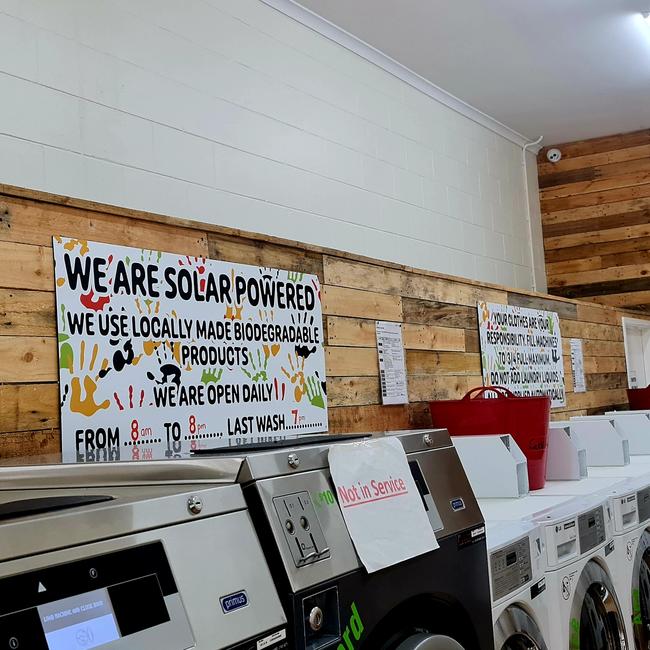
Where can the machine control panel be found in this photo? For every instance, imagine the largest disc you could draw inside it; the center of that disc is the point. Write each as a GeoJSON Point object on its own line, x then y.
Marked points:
{"type": "Point", "coordinates": [96, 602]}
{"type": "Point", "coordinates": [626, 513]}
{"type": "Point", "coordinates": [643, 501]}
{"type": "Point", "coordinates": [511, 568]}
{"type": "Point", "coordinates": [561, 541]}
{"type": "Point", "coordinates": [301, 527]}
{"type": "Point", "coordinates": [591, 529]}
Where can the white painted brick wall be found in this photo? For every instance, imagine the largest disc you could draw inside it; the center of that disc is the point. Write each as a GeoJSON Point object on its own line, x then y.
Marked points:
{"type": "Point", "coordinates": [230, 112]}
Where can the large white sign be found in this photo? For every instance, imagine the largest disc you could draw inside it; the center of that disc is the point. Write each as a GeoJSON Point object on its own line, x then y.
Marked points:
{"type": "Point", "coordinates": [380, 501]}
{"type": "Point", "coordinates": [521, 349]}
{"type": "Point", "coordinates": [162, 353]}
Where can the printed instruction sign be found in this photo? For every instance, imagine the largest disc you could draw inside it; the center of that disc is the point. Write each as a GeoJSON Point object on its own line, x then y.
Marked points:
{"type": "Point", "coordinates": [578, 366]}
{"type": "Point", "coordinates": [381, 504]}
{"type": "Point", "coordinates": [162, 353]}
{"type": "Point", "coordinates": [392, 367]}
{"type": "Point", "coordinates": [521, 349]}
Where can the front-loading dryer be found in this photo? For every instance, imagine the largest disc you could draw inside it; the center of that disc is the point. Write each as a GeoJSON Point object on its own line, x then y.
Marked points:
{"type": "Point", "coordinates": [583, 606]}
{"type": "Point", "coordinates": [517, 585]}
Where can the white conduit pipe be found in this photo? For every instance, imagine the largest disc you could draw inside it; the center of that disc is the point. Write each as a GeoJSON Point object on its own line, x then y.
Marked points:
{"type": "Point", "coordinates": [524, 149]}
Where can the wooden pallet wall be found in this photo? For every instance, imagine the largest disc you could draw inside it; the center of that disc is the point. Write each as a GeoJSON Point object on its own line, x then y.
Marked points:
{"type": "Point", "coordinates": [438, 312]}
{"type": "Point", "coordinates": [596, 219]}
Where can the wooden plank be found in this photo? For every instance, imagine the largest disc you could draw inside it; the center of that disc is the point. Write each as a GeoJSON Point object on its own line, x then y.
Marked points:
{"type": "Point", "coordinates": [597, 331]}
{"type": "Point", "coordinates": [472, 343]}
{"type": "Point", "coordinates": [426, 312]}
{"type": "Point", "coordinates": [574, 266]}
{"type": "Point", "coordinates": [344, 273]}
{"type": "Point", "coordinates": [559, 415]}
{"type": "Point", "coordinates": [598, 315]}
{"type": "Point", "coordinates": [631, 179]}
{"type": "Point", "coordinates": [601, 364]}
{"type": "Point", "coordinates": [595, 398]}
{"type": "Point", "coordinates": [422, 362]}
{"type": "Point", "coordinates": [614, 195]}
{"type": "Point", "coordinates": [353, 391]}
{"type": "Point", "coordinates": [565, 310]}
{"type": "Point", "coordinates": [338, 301]}
{"type": "Point", "coordinates": [26, 267]}
{"type": "Point", "coordinates": [631, 299]}
{"type": "Point", "coordinates": [351, 362]}
{"type": "Point", "coordinates": [584, 162]}
{"type": "Point", "coordinates": [606, 380]}
{"type": "Point", "coordinates": [625, 259]}
{"type": "Point", "coordinates": [634, 218]}
{"type": "Point", "coordinates": [259, 253]}
{"type": "Point", "coordinates": [361, 333]}
{"type": "Point", "coordinates": [593, 211]}
{"type": "Point", "coordinates": [27, 222]}
{"type": "Point", "coordinates": [26, 313]}
{"type": "Point", "coordinates": [611, 234]}
{"type": "Point", "coordinates": [583, 291]}
{"type": "Point", "coordinates": [374, 417]}
{"type": "Point", "coordinates": [39, 446]}
{"type": "Point", "coordinates": [28, 407]}
{"type": "Point", "coordinates": [601, 275]}
{"type": "Point", "coordinates": [602, 249]}
{"type": "Point", "coordinates": [26, 359]}
{"type": "Point", "coordinates": [425, 388]}
{"type": "Point", "coordinates": [614, 142]}
{"type": "Point", "coordinates": [603, 348]}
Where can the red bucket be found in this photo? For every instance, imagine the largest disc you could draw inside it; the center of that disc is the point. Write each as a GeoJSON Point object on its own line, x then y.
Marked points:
{"type": "Point", "coordinates": [526, 419]}
{"type": "Point", "coordinates": [639, 398]}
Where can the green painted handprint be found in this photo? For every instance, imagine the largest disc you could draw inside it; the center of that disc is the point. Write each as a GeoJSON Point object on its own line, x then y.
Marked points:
{"type": "Point", "coordinates": [315, 392]}
{"type": "Point", "coordinates": [258, 370]}
{"type": "Point", "coordinates": [211, 375]}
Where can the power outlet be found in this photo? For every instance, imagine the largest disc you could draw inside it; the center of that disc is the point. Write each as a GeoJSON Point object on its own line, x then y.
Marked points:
{"type": "Point", "coordinates": [301, 527]}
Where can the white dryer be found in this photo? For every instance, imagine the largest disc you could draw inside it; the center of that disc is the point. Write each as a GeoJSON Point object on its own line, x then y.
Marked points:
{"type": "Point", "coordinates": [583, 607]}
{"type": "Point", "coordinates": [517, 585]}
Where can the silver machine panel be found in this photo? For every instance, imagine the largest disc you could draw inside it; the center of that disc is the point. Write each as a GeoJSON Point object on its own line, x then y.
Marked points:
{"type": "Point", "coordinates": [279, 475]}
{"type": "Point", "coordinates": [153, 568]}
{"type": "Point", "coordinates": [511, 567]}
{"type": "Point", "coordinates": [591, 529]}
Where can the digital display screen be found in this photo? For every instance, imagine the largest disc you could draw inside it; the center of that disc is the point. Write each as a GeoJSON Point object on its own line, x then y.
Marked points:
{"type": "Point", "coordinates": [511, 558]}
{"type": "Point", "coordinates": [80, 622]}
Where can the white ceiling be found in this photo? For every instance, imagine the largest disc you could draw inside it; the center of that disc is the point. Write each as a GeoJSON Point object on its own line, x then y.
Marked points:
{"type": "Point", "coordinates": [564, 69]}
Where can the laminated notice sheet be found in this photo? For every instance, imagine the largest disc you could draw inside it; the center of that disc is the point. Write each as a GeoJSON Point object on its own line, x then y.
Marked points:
{"type": "Point", "coordinates": [380, 501]}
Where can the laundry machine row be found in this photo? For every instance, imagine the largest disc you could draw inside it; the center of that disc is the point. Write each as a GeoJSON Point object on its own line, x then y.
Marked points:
{"type": "Point", "coordinates": [287, 576]}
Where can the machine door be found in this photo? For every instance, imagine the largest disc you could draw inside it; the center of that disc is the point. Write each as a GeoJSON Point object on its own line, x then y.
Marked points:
{"type": "Point", "coordinates": [429, 642]}
{"type": "Point", "coordinates": [515, 629]}
{"type": "Point", "coordinates": [641, 592]}
{"type": "Point", "coordinates": [596, 621]}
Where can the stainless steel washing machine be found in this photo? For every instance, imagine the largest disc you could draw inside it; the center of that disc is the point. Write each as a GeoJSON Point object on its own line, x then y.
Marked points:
{"type": "Point", "coordinates": [152, 567]}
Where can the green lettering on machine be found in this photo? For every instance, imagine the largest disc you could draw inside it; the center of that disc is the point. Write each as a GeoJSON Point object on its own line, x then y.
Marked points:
{"type": "Point", "coordinates": [354, 628]}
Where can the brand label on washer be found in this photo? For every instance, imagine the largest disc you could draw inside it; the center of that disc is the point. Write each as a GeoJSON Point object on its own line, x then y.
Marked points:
{"type": "Point", "coordinates": [538, 588]}
{"type": "Point", "coordinates": [268, 641]}
{"type": "Point", "coordinates": [233, 601]}
{"type": "Point", "coordinates": [457, 504]}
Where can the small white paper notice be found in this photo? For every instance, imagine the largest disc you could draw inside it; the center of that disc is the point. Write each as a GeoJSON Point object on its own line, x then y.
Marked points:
{"type": "Point", "coordinates": [578, 366]}
{"type": "Point", "coordinates": [380, 502]}
{"type": "Point", "coordinates": [392, 368]}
